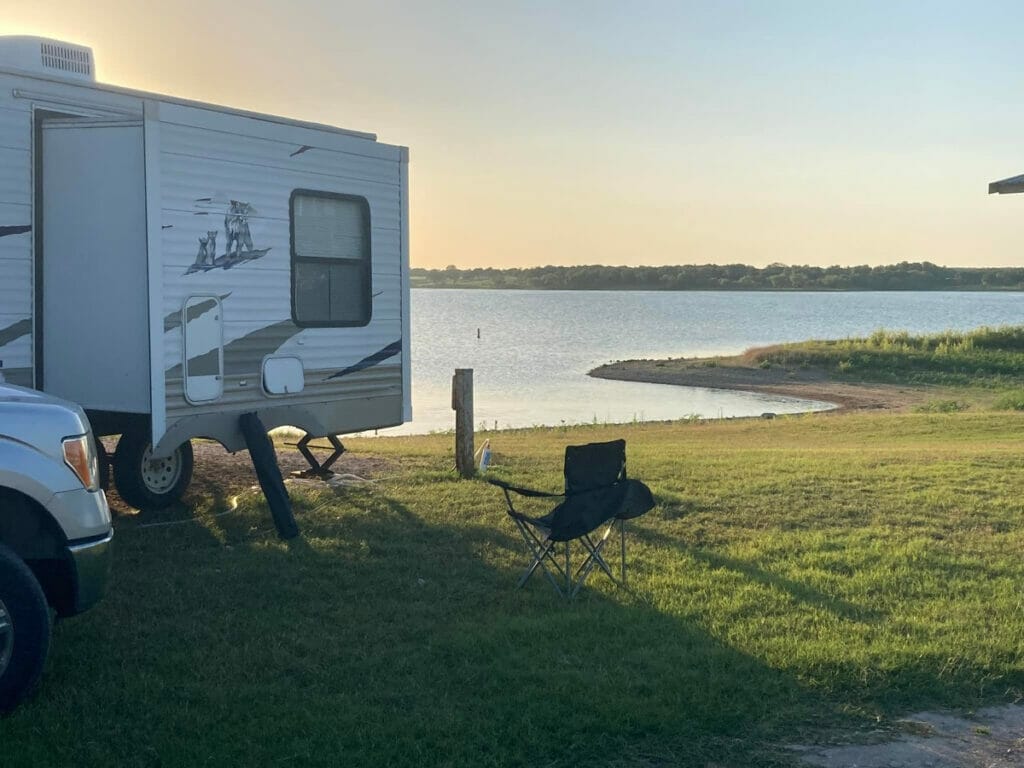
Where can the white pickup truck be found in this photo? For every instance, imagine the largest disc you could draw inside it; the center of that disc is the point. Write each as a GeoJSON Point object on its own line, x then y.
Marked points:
{"type": "Point", "coordinates": [55, 529]}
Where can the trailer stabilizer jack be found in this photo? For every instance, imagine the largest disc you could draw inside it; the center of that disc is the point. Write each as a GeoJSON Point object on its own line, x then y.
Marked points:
{"type": "Point", "coordinates": [264, 461]}
{"type": "Point", "coordinates": [316, 468]}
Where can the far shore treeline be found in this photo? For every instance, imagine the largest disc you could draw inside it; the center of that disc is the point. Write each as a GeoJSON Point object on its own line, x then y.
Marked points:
{"type": "Point", "coordinates": [904, 276]}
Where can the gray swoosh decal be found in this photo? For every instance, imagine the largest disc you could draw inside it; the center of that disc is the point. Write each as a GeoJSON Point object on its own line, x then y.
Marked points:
{"type": "Point", "coordinates": [17, 230]}
{"type": "Point", "coordinates": [173, 320]}
{"type": "Point", "coordinates": [15, 331]}
{"type": "Point", "coordinates": [390, 350]}
{"type": "Point", "coordinates": [207, 364]}
{"type": "Point", "coordinates": [244, 354]}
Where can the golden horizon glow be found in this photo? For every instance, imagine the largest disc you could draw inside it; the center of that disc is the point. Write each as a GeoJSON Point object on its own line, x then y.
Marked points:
{"type": "Point", "coordinates": [681, 134]}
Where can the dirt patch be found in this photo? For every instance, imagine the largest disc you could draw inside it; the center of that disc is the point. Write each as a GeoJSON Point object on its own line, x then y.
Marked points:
{"type": "Point", "coordinates": [219, 474]}
{"type": "Point", "coordinates": [730, 373]}
{"type": "Point", "coordinates": [990, 738]}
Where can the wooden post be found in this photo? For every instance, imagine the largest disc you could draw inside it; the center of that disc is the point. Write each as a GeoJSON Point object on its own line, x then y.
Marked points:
{"type": "Point", "coordinates": [462, 404]}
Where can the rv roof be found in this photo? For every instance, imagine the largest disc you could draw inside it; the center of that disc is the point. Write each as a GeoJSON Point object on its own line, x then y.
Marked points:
{"type": "Point", "coordinates": [6, 67]}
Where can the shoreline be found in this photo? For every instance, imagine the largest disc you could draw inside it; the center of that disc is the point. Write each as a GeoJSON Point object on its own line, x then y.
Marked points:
{"type": "Point", "coordinates": [733, 373]}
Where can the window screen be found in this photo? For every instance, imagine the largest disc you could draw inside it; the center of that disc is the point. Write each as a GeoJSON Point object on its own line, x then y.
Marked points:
{"type": "Point", "coordinates": [330, 259]}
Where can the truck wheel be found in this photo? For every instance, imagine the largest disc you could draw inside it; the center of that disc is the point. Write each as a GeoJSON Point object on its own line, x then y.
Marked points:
{"type": "Point", "coordinates": [24, 630]}
{"type": "Point", "coordinates": [148, 483]}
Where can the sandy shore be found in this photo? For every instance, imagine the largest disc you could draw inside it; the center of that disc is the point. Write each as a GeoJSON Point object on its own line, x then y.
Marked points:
{"type": "Point", "coordinates": [734, 373]}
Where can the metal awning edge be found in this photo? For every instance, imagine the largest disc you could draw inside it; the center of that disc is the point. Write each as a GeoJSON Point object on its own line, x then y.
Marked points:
{"type": "Point", "coordinates": [1008, 186]}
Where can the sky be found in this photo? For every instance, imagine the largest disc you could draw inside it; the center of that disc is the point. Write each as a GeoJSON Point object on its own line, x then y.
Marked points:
{"type": "Point", "coordinates": [625, 133]}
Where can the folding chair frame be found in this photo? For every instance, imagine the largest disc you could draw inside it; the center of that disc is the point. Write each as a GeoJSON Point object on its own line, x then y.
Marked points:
{"type": "Point", "coordinates": [566, 582]}
{"type": "Point", "coordinates": [595, 551]}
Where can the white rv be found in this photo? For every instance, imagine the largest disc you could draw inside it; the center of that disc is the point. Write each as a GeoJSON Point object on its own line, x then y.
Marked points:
{"type": "Point", "coordinates": [171, 265]}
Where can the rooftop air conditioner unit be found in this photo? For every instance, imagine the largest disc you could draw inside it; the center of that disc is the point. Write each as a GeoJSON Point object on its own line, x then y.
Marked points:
{"type": "Point", "coordinates": [47, 57]}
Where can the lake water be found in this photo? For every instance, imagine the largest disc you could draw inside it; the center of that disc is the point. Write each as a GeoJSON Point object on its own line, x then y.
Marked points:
{"type": "Point", "coordinates": [531, 359]}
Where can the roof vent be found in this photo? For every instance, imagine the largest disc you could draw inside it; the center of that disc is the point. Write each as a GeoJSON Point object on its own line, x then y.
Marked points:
{"type": "Point", "coordinates": [47, 57]}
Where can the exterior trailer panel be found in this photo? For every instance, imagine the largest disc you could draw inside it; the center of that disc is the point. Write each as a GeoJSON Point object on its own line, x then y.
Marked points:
{"type": "Point", "coordinates": [16, 283]}
{"type": "Point", "coordinates": [25, 97]}
{"type": "Point", "coordinates": [216, 175]}
{"type": "Point", "coordinates": [219, 188]}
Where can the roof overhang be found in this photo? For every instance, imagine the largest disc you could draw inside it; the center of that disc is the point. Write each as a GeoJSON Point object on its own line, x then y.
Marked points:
{"type": "Point", "coordinates": [1007, 186]}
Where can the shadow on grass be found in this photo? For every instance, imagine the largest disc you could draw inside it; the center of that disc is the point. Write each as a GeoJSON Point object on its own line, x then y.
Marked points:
{"type": "Point", "coordinates": [751, 571]}
{"type": "Point", "coordinates": [386, 637]}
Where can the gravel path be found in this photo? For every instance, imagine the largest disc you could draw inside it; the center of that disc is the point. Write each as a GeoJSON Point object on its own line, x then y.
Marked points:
{"type": "Point", "coordinates": [989, 738]}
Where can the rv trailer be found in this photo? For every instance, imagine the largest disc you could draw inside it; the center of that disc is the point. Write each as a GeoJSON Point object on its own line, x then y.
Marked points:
{"type": "Point", "coordinates": [172, 265]}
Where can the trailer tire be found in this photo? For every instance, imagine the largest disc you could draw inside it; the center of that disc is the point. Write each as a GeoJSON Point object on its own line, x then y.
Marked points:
{"type": "Point", "coordinates": [147, 483]}
{"type": "Point", "coordinates": [25, 627]}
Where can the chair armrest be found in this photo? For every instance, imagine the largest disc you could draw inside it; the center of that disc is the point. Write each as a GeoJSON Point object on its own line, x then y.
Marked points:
{"type": "Point", "coordinates": [522, 491]}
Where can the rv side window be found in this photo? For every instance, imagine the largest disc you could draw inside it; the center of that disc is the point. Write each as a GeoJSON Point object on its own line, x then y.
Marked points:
{"type": "Point", "coordinates": [330, 259]}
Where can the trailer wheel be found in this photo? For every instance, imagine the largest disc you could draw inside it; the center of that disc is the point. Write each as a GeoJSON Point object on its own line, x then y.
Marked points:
{"type": "Point", "coordinates": [148, 483]}
{"type": "Point", "coordinates": [24, 630]}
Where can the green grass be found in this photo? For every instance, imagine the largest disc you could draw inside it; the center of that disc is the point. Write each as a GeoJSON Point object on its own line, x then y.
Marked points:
{"type": "Point", "coordinates": [986, 357]}
{"type": "Point", "coordinates": [946, 406]}
{"type": "Point", "coordinates": [1011, 400]}
{"type": "Point", "coordinates": [801, 578]}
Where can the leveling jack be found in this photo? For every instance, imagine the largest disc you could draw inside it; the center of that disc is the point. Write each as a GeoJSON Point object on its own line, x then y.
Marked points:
{"type": "Point", "coordinates": [316, 468]}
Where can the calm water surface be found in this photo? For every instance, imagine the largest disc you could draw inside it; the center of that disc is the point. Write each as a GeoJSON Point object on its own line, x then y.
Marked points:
{"type": "Point", "coordinates": [535, 347]}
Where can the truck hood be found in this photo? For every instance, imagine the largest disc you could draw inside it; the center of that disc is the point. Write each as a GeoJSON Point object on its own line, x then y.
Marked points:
{"type": "Point", "coordinates": [14, 393]}
{"type": "Point", "coordinates": [38, 419]}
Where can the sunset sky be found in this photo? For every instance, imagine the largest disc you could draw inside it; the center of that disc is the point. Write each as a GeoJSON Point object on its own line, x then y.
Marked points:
{"type": "Point", "coordinates": [625, 133]}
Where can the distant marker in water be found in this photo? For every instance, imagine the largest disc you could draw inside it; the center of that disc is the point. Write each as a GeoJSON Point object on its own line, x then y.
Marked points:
{"type": "Point", "coordinates": [478, 333]}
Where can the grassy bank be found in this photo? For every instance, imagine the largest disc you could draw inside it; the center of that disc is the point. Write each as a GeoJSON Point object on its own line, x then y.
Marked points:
{"type": "Point", "coordinates": [801, 577]}
{"type": "Point", "coordinates": [986, 357]}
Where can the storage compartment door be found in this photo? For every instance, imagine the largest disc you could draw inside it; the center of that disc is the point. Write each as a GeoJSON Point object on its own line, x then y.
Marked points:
{"type": "Point", "coordinates": [283, 375]}
{"type": "Point", "coordinates": [94, 324]}
{"type": "Point", "coordinates": [202, 321]}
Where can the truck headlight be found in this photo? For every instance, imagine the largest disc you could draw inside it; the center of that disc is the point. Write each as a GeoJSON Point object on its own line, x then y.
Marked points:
{"type": "Point", "coordinates": [80, 456]}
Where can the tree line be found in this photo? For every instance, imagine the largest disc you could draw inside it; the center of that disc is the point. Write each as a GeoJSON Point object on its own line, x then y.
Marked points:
{"type": "Point", "coordinates": [905, 276]}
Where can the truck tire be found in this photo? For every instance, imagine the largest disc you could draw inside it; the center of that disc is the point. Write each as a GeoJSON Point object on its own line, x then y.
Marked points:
{"type": "Point", "coordinates": [24, 630]}
{"type": "Point", "coordinates": [148, 483]}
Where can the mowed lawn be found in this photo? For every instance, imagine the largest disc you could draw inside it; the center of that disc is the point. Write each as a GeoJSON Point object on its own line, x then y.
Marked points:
{"type": "Point", "coordinates": [802, 579]}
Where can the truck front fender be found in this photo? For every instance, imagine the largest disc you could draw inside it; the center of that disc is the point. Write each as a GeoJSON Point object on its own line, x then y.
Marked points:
{"type": "Point", "coordinates": [31, 472]}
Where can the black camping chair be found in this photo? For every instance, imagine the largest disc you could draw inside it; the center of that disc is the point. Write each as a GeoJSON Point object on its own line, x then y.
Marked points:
{"type": "Point", "coordinates": [597, 492]}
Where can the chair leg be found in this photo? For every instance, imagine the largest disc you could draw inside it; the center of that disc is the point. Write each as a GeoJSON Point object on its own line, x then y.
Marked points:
{"type": "Point", "coordinates": [544, 554]}
{"type": "Point", "coordinates": [594, 558]}
{"type": "Point", "coordinates": [568, 569]}
{"type": "Point", "coordinates": [539, 553]}
{"type": "Point", "coordinates": [595, 551]}
{"type": "Point", "coordinates": [600, 558]}
{"type": "Point", "coordinates": [541, 550]}
{"type": "Point", "coordinates": [622, 533]}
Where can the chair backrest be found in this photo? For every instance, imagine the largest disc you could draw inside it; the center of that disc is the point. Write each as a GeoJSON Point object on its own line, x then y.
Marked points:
{"type": "Point", "coordinates": [594, 465]}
